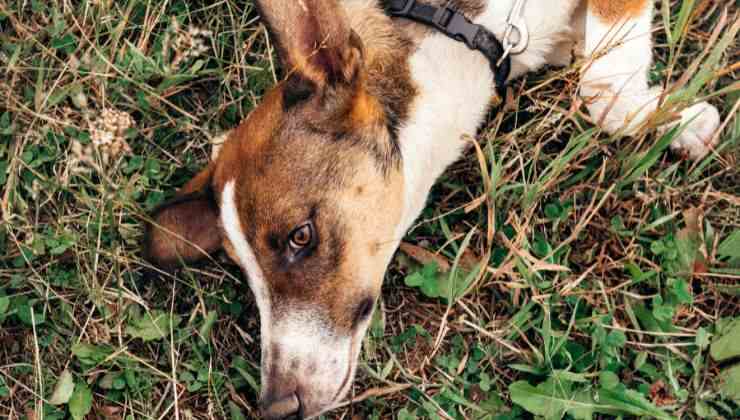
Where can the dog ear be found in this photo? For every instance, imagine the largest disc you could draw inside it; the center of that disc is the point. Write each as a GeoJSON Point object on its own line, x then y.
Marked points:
{"type": "Point", "coordinates": [313, 39]}
{"type": "Point", "coordinates": [185, 229]}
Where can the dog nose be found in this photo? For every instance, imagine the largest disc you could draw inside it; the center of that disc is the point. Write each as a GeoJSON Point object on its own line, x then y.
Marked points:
{"type": "Point", "coordinates": [287, 408]}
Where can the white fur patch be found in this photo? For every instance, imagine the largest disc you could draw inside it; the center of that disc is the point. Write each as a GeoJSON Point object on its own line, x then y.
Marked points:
{"type": "Point", "coordinates": [322, 363]}
{"type": "Point", "coordinates": [248, 261]}
{"type": "Point", "coordinates": [698, 136]}
{"type": "Point", "coordinates": [305, 338]}
{"type": "Point", "coordinates": [615, 83]}
{"type": "Point", "coordinates": [309, 350]}
{"type": "Point", "coordinates": [455, 88]}
{"type": "Point", "coordinates": [617, 89]}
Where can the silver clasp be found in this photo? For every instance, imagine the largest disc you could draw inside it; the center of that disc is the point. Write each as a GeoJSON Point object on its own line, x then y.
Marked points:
{"type": "Point", "coordinates": [516, 35]}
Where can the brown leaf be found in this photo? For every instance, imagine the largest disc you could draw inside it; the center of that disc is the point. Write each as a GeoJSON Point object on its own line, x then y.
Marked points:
{"type": "Point", "coordinates": [468, 260]}
{"type": "Point", "coordinates": [424, 257]}
{"type": "Point", "coordinates": [659, 394]}
{"type": "Point", "coordinates": [700, 265]}
{"type": "Point", "coordinates": [109, 412]}
{"type": "Point", "coordinates": [691, 235]}
{"type": "Point", "coordinates": [477, 394]}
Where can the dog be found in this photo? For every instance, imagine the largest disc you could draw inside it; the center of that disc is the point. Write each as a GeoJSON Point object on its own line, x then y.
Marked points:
{"type": "Point", "coordinates": [313, 191]}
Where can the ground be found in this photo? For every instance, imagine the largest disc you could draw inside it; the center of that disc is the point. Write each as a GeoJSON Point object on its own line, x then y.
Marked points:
{"type": "Point", "coordinates": [556, 272]}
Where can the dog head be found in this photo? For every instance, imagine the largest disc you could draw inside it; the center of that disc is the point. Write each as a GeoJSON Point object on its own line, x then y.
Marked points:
{"type": "Point", "coordinates": [306, 197]}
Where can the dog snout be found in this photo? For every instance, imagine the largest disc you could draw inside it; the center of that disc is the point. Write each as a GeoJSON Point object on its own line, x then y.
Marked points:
{"type": "Point", "coordinates": [282, 408]}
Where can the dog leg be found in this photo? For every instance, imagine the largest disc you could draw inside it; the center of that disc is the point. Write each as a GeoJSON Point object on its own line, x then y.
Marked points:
{"type": "Point", "coordinates": [615, 82]}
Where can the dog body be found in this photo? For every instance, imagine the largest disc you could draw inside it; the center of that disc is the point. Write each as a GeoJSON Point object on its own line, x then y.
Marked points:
{"type": "Point", "coordinates": [614, 85]}
{"type": "Point", "coordinates": [455, 87]}
{"type": "Point", "coordinates": [313, 192]}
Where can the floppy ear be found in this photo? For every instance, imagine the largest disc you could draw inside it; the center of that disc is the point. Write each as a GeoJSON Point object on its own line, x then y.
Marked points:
{"type": "Point", "coordinates": [185, 229]}
{"type": "Point", "coordinates": [313, 39]}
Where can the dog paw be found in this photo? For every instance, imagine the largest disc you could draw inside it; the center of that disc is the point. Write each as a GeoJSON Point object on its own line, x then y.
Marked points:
{"type": "Point", "coordinates": [698, 136]}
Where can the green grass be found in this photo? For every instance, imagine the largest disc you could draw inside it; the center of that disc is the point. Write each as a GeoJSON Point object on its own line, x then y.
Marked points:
{"type": "Point", "coordinates": [556, 272]}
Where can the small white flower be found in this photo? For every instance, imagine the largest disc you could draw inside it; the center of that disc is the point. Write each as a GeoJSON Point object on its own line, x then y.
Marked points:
{"type": "Point", "coordinates": [189, 44]}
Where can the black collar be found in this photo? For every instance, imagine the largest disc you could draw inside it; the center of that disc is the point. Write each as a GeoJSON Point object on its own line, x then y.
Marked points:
{"type": "Point", "coordinates": [448, 20]}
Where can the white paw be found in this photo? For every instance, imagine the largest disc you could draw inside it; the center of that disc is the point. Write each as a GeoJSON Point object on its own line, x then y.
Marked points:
{"type": "Point", "coordinates": [698, 137]}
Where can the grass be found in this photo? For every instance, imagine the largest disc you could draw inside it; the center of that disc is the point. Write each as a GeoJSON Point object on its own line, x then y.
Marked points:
{"type": "Point", "coordinates": [557, 272]}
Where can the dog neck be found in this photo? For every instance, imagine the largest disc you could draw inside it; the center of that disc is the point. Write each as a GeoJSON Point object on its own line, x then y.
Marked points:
{"type": "Point", "coordinates": [435, 89]}
{"type": "Point", "coordinates": [455, 86]}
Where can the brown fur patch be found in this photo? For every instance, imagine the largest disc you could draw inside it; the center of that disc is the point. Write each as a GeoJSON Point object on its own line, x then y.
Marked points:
{"type": "Point", "coordinates": [187, 227]}
{"type": "Point", "coordinates": [250, 136]}
{"type": "Point", "coordinates": [370, 221]}
{"type": "Point", "coordinates": [199, 183]}
{"type": "Point", "coordinates": [366, 110]}
{"type": "Point", "coordinates": [186, 231]}
{"type": "Point", "coordinates": [262, 122]}
{"type": "Point", "coordinates": [313, 38]}
{"type": "Point", "coordinates": [612, 11]}
{"type": "Point", "coordinates": [386, 72]}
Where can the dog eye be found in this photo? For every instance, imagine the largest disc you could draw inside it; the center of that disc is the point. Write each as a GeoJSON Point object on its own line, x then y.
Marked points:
{"type": "Point", "coordinates": [301, 237]}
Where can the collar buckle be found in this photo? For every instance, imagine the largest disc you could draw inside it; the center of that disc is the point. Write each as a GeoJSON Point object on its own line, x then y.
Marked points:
{"type": "Point", "coordinates": [448, 20]}
{"type": "Point", "coordinates": [454, 24]}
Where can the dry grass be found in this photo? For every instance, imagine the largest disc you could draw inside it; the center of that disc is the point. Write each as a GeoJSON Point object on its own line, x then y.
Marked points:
{"type": "Point", "coordinates": [590, 255]}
